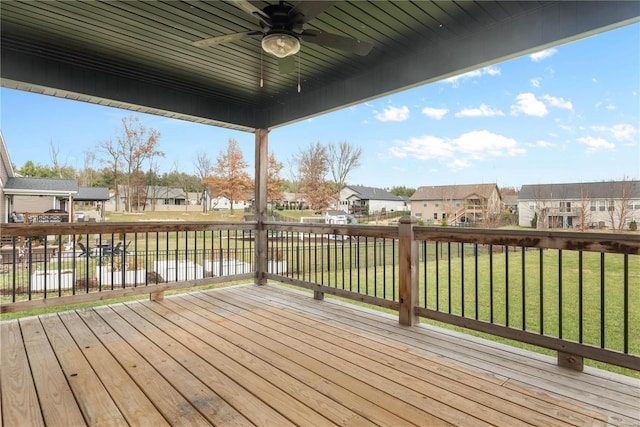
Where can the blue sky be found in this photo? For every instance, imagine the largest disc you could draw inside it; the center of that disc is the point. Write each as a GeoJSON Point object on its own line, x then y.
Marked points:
{"type": "Point", "coordinates": [567, 114]}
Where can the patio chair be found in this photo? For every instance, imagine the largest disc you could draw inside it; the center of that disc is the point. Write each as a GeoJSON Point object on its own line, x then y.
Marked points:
{"type": "Point", "coordinates": [85, 250]}
{"type": "Point", "coordinates": [113, 250]}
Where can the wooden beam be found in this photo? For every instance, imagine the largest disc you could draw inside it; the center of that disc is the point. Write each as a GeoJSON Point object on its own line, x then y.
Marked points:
{"type": "Point", "coordinates": [261, 162]}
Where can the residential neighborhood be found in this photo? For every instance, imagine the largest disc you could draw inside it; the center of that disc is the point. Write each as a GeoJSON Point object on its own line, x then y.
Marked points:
{"type": "Point", "coordinates": [607, 205]}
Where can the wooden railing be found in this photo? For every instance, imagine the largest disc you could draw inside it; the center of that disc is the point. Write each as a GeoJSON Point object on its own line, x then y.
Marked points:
{"type": "Point", "coordinates": [575, 293]}
{"type": "Point", "coordinates": [570, 292]}
{"type": "Point", "coordinates": [48, 265]}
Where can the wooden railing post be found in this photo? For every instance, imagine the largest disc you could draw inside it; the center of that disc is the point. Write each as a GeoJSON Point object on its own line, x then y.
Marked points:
{"type": "Point", "coordinates": [408, 274]}
{"type": "Point", "coordinates": [261, 162]}
{"type": "Point", "coordinates": [570, 361]}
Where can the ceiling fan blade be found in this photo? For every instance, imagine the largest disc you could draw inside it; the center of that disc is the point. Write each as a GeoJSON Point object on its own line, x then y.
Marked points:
{"type": "Point", "coordinates": [252, 10]}
{"type": "Point", "coordinates": [305, 11]}
{"type": "Point", "coordinates": [335, 41]}
{"type": "Point", "coordinates": [225, 39]}
{"type": "Point", "coordinates": [287, 65]}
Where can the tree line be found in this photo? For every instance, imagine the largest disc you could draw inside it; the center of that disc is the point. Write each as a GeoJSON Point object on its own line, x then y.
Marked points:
{"type": "Point", "coordinates": [129, 163]}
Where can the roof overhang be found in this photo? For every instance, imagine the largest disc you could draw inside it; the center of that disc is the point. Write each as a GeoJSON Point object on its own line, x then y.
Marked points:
{"type": "Point", "coordinates": [139, 55]}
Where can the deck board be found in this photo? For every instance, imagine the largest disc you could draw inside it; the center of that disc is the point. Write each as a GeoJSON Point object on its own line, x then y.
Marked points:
{"type": "Point", "coordinates": [269, 355]}
{"type": "Point", "coordinates": [616, 395]}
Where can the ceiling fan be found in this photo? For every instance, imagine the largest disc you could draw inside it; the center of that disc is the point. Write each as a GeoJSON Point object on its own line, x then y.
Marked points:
{"type": "Point", "coordinates": [281, 31]}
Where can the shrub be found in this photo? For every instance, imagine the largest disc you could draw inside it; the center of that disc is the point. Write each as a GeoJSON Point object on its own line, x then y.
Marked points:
{"type": "Point", "coordinates": [633, 226]}
{"type": "Point", "coordinates": [534, 221]}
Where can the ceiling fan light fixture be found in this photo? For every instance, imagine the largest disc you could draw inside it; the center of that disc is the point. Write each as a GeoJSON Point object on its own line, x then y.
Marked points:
{"type": "Point", "coordinates": [281, 44]}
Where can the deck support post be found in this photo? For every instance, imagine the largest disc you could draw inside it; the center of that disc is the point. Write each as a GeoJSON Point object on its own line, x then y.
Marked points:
{"type": "Point", "coordinates": [570, 361]}
{"type": "Point", "coordinates": [261, 162]}
{"type": "Point", "coordinates": [408, 271]}
{"type": "Point", "coordinates": [156, 296]}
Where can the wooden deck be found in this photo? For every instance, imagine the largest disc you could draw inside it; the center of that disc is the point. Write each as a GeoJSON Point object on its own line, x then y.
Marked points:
{"type": "Point", "coordinates": [250, 355]}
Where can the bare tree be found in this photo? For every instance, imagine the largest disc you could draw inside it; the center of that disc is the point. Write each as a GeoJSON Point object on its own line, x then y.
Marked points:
{"type": "Point", "coordinates": [137, 145]}
{"type": "Point", "coordinates": [313, 165]}
{"type": "Point", "coordinates": [583, 208]}
{"type": "Point", "coordinates": [85, 177]}
{"type": "Point", "coordinates": [203, 167]}
{"type": "Point", "coordinates": [343, 158]}
{"type": "Point", "coordinates": [113, 162]}
{"type": "Point", "coordinates": [618, 204]}
{"type": "Point", "coordinates": [230, 179]}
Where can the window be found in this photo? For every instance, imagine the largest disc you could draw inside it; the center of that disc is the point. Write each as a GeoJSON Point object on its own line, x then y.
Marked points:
{"type": "Point", "coordinates": [457, 204]}
{"type": "Point", "coordinates": [601, 205]}
{"type": "Point", "coordinates": [592, 206]}
{"type": "Point", "coordinates": [424, 205]}
{"type": "Point", "coordinates": [444, 215]}
{"type": "Point", "coordinates": [435, 215]}
{"type": "Point", "coordinates": [437, 204]}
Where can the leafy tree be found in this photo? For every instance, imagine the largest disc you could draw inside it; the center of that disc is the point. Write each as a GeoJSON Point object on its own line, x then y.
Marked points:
{"type": "Point", "coordinates": [230, 179]}
{"type": "Point", "coordinates": [402, 191]}
{"type": "Point", "coordinates": [274, 181]}
{"type": "Point", "coordinates": [33, 170]}
{"type": "Point", "coordinates": [313, 166]}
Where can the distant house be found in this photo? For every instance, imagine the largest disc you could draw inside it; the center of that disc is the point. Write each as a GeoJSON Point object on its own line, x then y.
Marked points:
{"type": "Point", "coordinates": [357, 199]}
{"type": "Point", "coordinates": [470, 203]}
{"type": "Point", "coordinates": [154, 196]}
{"type": "Point", "coordinates": [612, 204]}
{"type": "Point", "coordinates": [293, 201]}
{"type": "Point", "coordinates": [39, 194]}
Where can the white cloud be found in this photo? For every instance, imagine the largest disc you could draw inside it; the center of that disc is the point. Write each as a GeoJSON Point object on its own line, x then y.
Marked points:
{"type": "Point", "coordinates": [528, 104]}
{"type": "Point", "coordinates": [423, 148]}
{"type": "Point", "coordinates": [458, 152]}
{"type": "Point", "coordinates": [611, 107]}
{"type": "Point", "coordinates": [458, 165]}
{"type": "Point", "coordinates": [394, 114]}
{"type": "Point", "coordinates": [542, 144]}
{"type": "Point", "coordinates": [594, 80]}
{"type": "Point", "coordinates": [482, 111]}
{"type": "Point", "coordinates": [595, 144]}
{"type": "Point", "coordinates": [455, 80]}
{"type": "Point", "coordinates": [480, 143]}
{"type": "Point", "coordinates": [535, 82]}
{"type": "Point", "coordinates": [543, 54]}
{"type": "Point", "coordinates": [622, 132]}
{"type": "Point", "coordinates": [558, 102]}
{"type": "Point", "coordinates": [435, 113]}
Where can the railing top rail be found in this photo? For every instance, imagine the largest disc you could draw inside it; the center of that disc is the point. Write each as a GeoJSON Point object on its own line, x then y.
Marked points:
{"type": "Point", "coordinates": [15, 230]}
{"type": "Point", "coordinates": [624, 243]}
{"type": "Point", "coordinates": [379, 231]}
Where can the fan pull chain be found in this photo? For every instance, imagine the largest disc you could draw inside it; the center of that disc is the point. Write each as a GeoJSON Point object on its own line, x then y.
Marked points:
{"type": "Point", "coordinates": [298, 72]}
{"type": "Point", "coordinates": [261, 59]}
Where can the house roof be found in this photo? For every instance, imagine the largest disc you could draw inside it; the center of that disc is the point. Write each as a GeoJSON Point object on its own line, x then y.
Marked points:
{"type": "Point", "coordinates": [4, 158]}
{"type": "Point", "coordinates": [92, 194]}
{"type": "Point", "coordinates": [581, 191]}
{"type": "Point", "coordinates": [453, 192]}
{"type": "Point", "coordinates": [139, 55]}
{"type": "Point", "coordinates": [372, 193]}
{"type": "Point", "coordinates": [41, 186]}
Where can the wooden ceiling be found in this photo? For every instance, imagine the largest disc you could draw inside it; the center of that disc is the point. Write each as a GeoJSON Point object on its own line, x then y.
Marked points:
{"type": "Point", "coordinates": [139, 54]}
